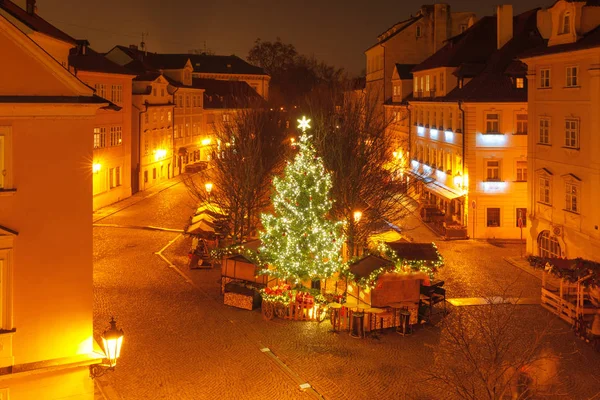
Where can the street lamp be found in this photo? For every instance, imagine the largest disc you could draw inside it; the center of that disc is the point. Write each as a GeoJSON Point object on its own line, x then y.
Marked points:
{"type": "Point", "coordinates": [208, 186]}
{"type": "Point", "coordinates": [112, 339]}
{"type": "Point", "coordinates": [357, 216]}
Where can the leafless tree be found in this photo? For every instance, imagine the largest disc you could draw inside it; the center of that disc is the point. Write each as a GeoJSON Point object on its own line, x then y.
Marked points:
{"type": "Point", "coordinates": [247, 151]}
{"type": "Point", "coordinates": [356, 142]}
{"type": "Point", "coordinates": [487, 352]}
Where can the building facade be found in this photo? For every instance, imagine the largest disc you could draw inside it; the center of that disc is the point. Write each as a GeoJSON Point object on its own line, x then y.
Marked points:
{"type": "Point", "coordinates": [152, 131]}
{"type": "Point", "coordinates": [47, 118]}
{"type": "Point", "coordinates": [112, 130]}
{"type": "Point", "coordinates": [564, 99]}
{"type": "Point", "coordinates": [410, 42]}
{"type": "Point", "coordinates": [468, 144]}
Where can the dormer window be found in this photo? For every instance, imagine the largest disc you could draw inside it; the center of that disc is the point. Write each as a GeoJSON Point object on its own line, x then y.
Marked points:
{"type": "Point", "coordinates": [419, 32]}
{"type": "Point", "coordinates": [565, 25]}
{"type": "Point", "coordinates": [520, 83]}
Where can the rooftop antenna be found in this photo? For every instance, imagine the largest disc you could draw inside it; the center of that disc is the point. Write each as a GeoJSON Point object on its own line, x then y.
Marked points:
{"type": "Point", "coordinates": [143, 43]}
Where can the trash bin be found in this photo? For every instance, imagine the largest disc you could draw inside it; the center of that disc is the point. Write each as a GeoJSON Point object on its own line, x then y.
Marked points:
{"type": "Point", "coordinates": [358, 328]}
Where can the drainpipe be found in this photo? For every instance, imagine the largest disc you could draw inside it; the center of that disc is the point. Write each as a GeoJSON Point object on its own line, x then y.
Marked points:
{"type": "Point", "coordinates": [139, 141]}
{"type": "Point", "coordinates": [464, 159]}
{"type": "Point", "coordinates": [175, 154]}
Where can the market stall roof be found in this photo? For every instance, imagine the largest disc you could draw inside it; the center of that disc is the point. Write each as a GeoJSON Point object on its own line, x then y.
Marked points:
{"type": "Point", "coordinates": [211, 209]}
{"type": "Point", "coordinates": [203, 217]}
{"type": "Point", "coordinates": [253, 244]}
{"type": "Point", "coordinates": [414, 251]}
{"type": "Point", "coordinates": [201, 227]}
{"type": "Point", "coordinates": [364, 267]}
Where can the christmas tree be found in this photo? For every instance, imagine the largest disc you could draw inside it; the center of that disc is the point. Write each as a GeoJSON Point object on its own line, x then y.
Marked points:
{"type": "Point", "coordinates": [299, 242]}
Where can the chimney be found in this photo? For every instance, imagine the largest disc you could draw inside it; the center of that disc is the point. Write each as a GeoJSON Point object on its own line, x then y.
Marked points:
{"type": "Point", "coordinates": [504, 32]}
{"type": "Point", "coordinates": [30, 7]}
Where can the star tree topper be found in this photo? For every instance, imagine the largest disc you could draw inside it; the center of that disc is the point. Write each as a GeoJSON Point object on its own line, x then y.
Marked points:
{"type": "Point", "coordinates": [304, 123]}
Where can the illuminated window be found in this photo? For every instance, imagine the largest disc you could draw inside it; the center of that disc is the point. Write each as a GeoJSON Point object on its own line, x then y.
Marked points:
{"type": "Point", "coordinates": [116, 135]}
{"type": "Point", "coordinates": [493, 217]}
{"type": "Point", "coordinates": [544, 137]}
{"type": "Point", "coordinates": [572, 133]}
{"type": "Point", "coordinates": [548, 246]}
{"type": "Point", "coordinates": [544, 189]}
{"type": "Point", "coordinates": [169, 116]}
{"type": "Point", "coordinates": [492, 123]}
{"type": "Point", "coordinates": [565, 26]}
{"type": "Point", "coordinates": [146, 117]}
{"type": "Point", "coordinates": [99, 138]}
{"type": "Point", "coordinates": [492, 168]}
{"type": "Point", "coordinates": [572, 76]}
{"type": "Point", "coordinates": [225, 118]}
{"type": "Point", "coordinates": [153, 116]}
{"type": "Point", "coordinates": [4, 154]}
{"type": "Point", "coordinates": [522, 217]}
{"type": "Point", "coordinates": [545, 78]}
{"type": "Point", "coordinates": [521, 124]}
{"type": "Point", "coordinates": [427, 83]}
{"type": "Point", "coordinates": [520, 83]}
{"type": "Point", "coordinates": [572, 197]}
{"type": "Point", "coordinates": [521, 171]}
{"type": "Point", "coordinates": [416, 86]}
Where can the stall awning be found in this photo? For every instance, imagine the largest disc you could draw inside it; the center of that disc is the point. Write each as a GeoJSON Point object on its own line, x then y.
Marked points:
{"type": "Point", "coordinates": [364, 267]}
{"type": "Point", "coordinates": [414, 251]}
{"type": "Point", "coordinates": [443, 190]}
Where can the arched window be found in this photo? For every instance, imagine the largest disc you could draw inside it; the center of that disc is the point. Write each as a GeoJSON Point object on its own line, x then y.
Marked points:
{"type": "Point", "coordinates": [565, 26]}
{"type": "Point", "coordinates": [548, 246]}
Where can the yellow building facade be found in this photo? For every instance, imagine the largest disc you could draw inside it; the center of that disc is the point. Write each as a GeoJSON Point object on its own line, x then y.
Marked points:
{"type": "Point", "coordinates": [468, 145]}
{"type": "Point", "coordinates": [47, 118]}
{"type": "Point", "coordinates": [564, 99]}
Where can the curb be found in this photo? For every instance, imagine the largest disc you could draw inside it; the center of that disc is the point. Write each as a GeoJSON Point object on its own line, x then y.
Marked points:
{"type": "Point", "coordinates": [521, 267]}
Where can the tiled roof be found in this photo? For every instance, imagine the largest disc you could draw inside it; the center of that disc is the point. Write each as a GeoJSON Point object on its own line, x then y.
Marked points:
{"type": "Point", "coordinates": [147, 77]}
{"type": "Point", "coordinates": [35, 22]}
{"type": "Point", "coordinates": [89, 60]}
{"type": "Point", "coordinates": [226, 94]}
{"type": "Point", "coordinates": [402, 25]}
{"type": "Point", "coordinates": [588, 41]}
{"type": "Point", "coordinates": [493, 70]}
{"type": "Point", "coordinates": [202, 63]}
{"type": "Point", "coordinates": [404, 70]}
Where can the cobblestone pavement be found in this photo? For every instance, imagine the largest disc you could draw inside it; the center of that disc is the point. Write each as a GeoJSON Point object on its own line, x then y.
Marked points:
{"type": "Point", "coordinates": [183, 343]}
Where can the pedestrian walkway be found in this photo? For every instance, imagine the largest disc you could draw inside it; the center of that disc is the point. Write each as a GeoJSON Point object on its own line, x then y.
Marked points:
{"type": "Point", "coordinates": [136, 198]}
{"type": "Point", "coordinates": [481, 301]}
{"type": "Point", "coordinates": [522, 264]}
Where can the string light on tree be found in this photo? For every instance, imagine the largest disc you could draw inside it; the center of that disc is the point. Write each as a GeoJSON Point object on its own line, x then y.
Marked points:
{"type": "Point", "coordinates": [299, 242]}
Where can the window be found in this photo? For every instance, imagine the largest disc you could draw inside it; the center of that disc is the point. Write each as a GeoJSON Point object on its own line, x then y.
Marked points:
{"type": "Point", "coordinates": [116, 94]}
{"type": "Point", "coordinates": [521, 217]}
{"type": "Point", "coordinates": [2, 162]}
{"type": "Point", "coordinates": [544, 187]}
{"type": "Point", "coordinates": [118, 176]}
{"type": "Point", "coordinates": [187, 101]}
{"type": "Point", "coordinates": [493, 217]}
{"type": "Point", "coordinates": [450, 122]}
{"type": "Point", "coordinates": [145, 176]}
{"type": "Point", "coordinates": [572, 133]}
{"type": "Point", "coordinates": [442, 81]}
{"type": "Point", "coordinates": [544, 131]}
{"type": "Point", "coordinates": [5, 181]}
{"type": "Point", "coordinates": [492, 168]}
{"type": "Point", "coordinates": [572, 80]}
{"type": "Point", "coordinates": [6, 271]}
{"type": "Point", "coordinates": [565, 26]}
{"type": "Point", "coordinates": [162, 92]}
{"type": "Point", "coordinates": [176, 131]}
{"type": "Point", "coordinates": [419, 31]}
{"type": "Point", "coordinates": [169, 116]}
{"type": "Point", "coordinates": [492, 123]}
{"type": "Point", "coordinates": [521, 124]}
{"type": "Point", "coordinates": [521, 171]}
{"type": "Point", "coordinates": [111, 177]}
{"type": "Point", "coordinates": [520, 83]}
{"type": "Point", "coordinates": [545, 78]}
{"type": "Point", "coordinates": [116, 135]}
{"type": "Point", "coordinates": [153, 116]}
{"type": "Point", "coordinates": [225, 118]}
{"type": "Point", "coordinates": [99, 138]}
{"type": "Point", "coordinates": [195, 101]}
{"type": "Point", "coordinates": [427, 83]}
{"type": "Point", "coordinates": [100, 89]}
{"type": "Point", "coordinates": [146, 117]}
{"type": "Point", "coordinates": [153, 91]}
{"type": "Point", "coordinates": [153, 173]}
{"type": "Point", "coordinates": [571, 197]}
{"type": "Point", "coordinates": [434, 83]}
{"type": "Point", "coordinates": [548, 246]}
{"type": "Point", "coordinates": [146, 146]}
{"type": "Point", "coordinates": [416, 86]}
{"type": "Point", "coordinates": [162, 116]}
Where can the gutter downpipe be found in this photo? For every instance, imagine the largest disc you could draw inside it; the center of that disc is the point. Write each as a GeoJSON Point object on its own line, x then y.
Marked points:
{"type": "Point", "coordinates": [464, 159]}
{"type": "Point", "coordinates": [139, 141]}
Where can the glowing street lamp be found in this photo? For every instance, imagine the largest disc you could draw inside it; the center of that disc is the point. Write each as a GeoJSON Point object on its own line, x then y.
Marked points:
{"type": "Point", "coordinates": [357, 216]}
{"type": "Point", "coordinates": [96, 167]}
{"type": "Point", "coordinates": [112, 339]}
{"type": "Point", "coordinates": [208, 186]}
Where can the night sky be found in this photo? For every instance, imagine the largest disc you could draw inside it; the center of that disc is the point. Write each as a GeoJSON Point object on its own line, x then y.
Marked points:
{"type": "Point", "coordinates": [336, 31]}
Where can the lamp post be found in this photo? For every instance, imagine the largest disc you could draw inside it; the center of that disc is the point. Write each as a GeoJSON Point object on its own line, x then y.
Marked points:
{"type": "Point", "coordinates": [209, 187]}
{"type": "Point", "coordinates": [357, 217]}
{"type": "Point", "coordinates": [112, 339]}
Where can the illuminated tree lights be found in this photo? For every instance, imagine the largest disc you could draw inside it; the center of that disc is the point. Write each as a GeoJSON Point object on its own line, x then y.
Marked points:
{"type": "Point", "coordinates": [299, 242]}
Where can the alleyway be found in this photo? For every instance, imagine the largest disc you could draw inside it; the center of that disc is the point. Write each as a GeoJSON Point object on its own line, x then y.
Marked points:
{"type": "Point", "coordinates": [182, 343]}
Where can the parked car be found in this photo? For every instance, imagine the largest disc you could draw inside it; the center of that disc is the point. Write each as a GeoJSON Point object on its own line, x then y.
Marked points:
{"type": "Point", "coordinates": [196, 167]}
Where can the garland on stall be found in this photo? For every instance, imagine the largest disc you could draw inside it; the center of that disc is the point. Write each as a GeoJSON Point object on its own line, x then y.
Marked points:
{"type": "Point", "coordinates": [285, 295]}
{"type": "Point", "coordinates": [400, 265]}
{"type": "Point", "coordinates": [577, 268]}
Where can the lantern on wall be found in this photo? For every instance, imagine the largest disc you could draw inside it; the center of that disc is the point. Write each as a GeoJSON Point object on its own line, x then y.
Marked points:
{"type": "Point", "coordinates": [112, 340]}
